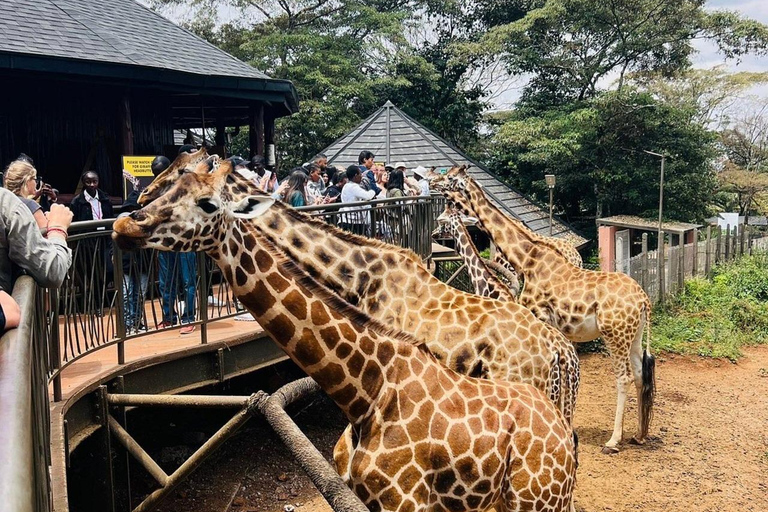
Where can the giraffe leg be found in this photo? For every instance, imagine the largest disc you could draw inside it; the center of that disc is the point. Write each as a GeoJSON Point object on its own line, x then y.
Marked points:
{"type": "Point", "coordinates": [622, 383]}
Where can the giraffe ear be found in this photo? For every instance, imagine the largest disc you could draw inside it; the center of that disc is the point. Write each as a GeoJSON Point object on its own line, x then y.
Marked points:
{"type": "Point", "coordinates": [252, 207]}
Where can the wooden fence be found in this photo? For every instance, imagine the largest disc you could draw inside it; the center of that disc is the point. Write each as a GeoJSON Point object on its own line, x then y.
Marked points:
{"type": "Point", "coordinates": [712, 246]}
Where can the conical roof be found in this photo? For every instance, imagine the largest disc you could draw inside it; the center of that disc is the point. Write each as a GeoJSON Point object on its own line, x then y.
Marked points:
{"type": "Point", "coordinates": [393, 136]}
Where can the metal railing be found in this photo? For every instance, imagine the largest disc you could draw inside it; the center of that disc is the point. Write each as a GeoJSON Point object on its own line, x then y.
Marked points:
{"type": "Point", "coordinates": [110, 297]}
{"type": "Point", "coordinates": [24, 413]}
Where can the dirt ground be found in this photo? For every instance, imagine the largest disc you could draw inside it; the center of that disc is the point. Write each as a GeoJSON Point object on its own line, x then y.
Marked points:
{"type": "Point", "coordinates": [709, 450]}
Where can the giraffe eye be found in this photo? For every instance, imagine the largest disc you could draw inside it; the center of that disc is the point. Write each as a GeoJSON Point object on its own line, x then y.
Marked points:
{"type": "Point", "coordinates": [207, 205]}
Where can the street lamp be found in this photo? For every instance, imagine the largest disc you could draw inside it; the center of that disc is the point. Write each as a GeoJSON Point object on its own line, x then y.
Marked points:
{"type": "Point", "coordinates": [660, 255]}
{"type": "Point", "coordinates": [550, 179]}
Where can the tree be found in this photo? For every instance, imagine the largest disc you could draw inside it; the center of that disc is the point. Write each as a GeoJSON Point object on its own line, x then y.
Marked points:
{"type": "Point", "coordinates": [749, 187]}
{"type": "Point", "coordinates": [596, 149]}
{"type": "Point", "coordinates": [569, 46]}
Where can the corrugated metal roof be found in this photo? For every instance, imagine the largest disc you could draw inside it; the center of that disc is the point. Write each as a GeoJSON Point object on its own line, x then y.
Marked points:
{"type": "Point", "coordinates": [111, 31]}
{"type": "Point", "coordinates": [393, 137]}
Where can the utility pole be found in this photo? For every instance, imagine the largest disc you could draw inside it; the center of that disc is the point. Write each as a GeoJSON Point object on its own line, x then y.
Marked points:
{"type": "Point", "coordinates": [550, 179]}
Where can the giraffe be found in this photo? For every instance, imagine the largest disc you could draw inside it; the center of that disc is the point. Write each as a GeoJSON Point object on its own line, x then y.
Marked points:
{"type": "Point", "coordinates": [473, 335]}
{"type": "Point", "coordinates": [563, 246]}
{"type": "Point", "coordinates": [583, 304]}
{"type": "Point", "coordinates": [185, 162]}
{"type": "Point", "coordinates": [483, 279]}
{"type": "Point", "coordinates": [425, 437]}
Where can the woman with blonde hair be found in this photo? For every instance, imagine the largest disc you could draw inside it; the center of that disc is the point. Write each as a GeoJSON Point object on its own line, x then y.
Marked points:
{"type": "Point", "coordinates": [21, 178]}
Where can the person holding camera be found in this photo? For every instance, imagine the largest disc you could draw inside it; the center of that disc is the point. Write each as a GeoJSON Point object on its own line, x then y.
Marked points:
{"type": "Point", "coordinates": [21, 178]}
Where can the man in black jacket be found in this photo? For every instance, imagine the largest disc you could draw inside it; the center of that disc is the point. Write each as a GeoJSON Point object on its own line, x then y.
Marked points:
{"type": "Point", "coordinates": [92, 203]}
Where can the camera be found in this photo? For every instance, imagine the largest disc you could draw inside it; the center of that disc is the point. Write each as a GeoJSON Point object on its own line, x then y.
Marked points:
{"type": "Point", "coordinates": [39, 181]}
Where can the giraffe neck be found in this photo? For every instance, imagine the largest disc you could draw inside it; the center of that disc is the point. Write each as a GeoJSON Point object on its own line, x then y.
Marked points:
{"type": "Point", "coordinates": [514, 240]}
{"type": "Point", "coordinates": [355, 268]}
{"type": "Point", "coordinates": [335, 346]}
{"type": "Point", "coordinates": [483, 280]}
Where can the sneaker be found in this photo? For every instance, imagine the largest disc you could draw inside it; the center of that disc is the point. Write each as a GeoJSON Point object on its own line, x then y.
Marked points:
{"type": "Point", "coordinates": [187, 329]}
{"type": "Point", "coordinates": [165, 324]}
{"type": "Point", "coordinates": [245, 317]}
{"type": "Point", "coordinates": [213, 301]}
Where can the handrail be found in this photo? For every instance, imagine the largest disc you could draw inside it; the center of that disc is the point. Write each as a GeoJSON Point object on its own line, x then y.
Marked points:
{"type": "Point", "coordinates": [103, 289]}
{"type": "Point", "coordinates": [23, 475]}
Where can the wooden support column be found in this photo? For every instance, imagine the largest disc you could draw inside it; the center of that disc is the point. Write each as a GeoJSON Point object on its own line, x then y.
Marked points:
{"type": "Point", "coordinates": [256, 130]}
{"type": "Point", "coordinates": [269, 138]}
{"type": "Point", "coordinates": [126, 127]}
{"type": "Point", "coordinates": [695, 268]}
{"type": "Point", "coordinates": [221, 135]}
{"type": "Point", "coordinates": [708, 253]}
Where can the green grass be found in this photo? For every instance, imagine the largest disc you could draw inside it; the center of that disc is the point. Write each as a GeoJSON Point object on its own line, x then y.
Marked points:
{"type": "Point", "coordinates": [717, 318]}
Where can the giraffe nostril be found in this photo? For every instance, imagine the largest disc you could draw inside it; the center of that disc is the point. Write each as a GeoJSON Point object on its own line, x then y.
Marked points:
{"type": "Point", "coordinates": [138, 215]}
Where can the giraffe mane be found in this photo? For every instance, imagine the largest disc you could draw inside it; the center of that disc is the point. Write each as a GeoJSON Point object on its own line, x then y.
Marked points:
{"type": "Point", "coordinates": [353, 313]}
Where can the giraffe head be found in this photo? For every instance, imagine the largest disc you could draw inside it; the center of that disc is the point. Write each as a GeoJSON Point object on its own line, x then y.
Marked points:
{"type": "Point", "coordinates": [193, 214]}
{"type": "Point", "coordinates": [185, 162]}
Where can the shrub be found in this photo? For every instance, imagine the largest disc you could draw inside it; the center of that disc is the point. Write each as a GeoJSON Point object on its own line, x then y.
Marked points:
{"type": "Point", "coordinates": [716, 318]}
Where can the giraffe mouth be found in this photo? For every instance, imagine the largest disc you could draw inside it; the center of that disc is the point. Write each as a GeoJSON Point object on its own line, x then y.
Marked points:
{"type": "Point", "coordinates": [128, 235]}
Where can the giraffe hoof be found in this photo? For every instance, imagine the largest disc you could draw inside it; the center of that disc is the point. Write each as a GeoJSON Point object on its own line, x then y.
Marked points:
{"type": "Point", "coordinates": [636, 441]}
{"type": "Point", "coordinates": [609, 450]}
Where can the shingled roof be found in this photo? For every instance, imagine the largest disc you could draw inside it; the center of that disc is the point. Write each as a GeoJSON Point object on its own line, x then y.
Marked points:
{"type": "Point", "coordinates": [106, 34]}
{"type": "Point", "coordinates": [393, 136]}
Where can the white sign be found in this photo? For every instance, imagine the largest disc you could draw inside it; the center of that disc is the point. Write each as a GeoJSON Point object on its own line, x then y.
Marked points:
{"type": "Point", "coordinates": [728, 219]}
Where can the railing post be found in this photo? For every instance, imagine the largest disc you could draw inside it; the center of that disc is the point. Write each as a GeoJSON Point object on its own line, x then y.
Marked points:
{"type": "Point", "coordinates": [660, 270]}
{"type": "Point", "coordinates": [727, 241]}
{"type": "Point", "coordinates": [708, 252]}
{"type": "Point", "coordinates": [52, 325]}
{"type": "Point", "coordinates": [120, 287]}
{"type": "Point", "coordinates": [202, 297]}
{"type": "Point", "coordinates": [695, 265]}
{"type": "Point", "coordinates": [644, 264]}
{"type": "Point", "coordinates": [681, 264]}
{"type": "Point", "coordinates": [102, 417]}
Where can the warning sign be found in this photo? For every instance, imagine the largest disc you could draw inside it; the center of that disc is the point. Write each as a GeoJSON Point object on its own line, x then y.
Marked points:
{"type": "Point", "coordinates": [137, 173]}
{"type": "Point", "coordinates": [139, 166]}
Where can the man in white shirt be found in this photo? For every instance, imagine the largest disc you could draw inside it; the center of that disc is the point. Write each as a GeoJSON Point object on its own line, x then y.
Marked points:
{"type": "Point", "coordinates": [355, 218]}
{"type": "Point", "coordinates": [420, 173]}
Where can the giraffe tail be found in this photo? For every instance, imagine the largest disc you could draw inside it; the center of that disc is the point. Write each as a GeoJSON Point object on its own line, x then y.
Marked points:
{"type": "Point", "coordinates": [564, 384]}
{"type": "Point", "coordinates": [648, 392]}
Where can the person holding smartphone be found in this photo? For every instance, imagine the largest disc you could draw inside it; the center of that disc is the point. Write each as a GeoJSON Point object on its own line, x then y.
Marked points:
{"type": "Point", "coordinates": [332, 194]}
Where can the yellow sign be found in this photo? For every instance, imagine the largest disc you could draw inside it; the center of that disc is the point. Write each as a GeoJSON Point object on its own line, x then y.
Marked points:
{"type": "Point", "coordinates": [139, 166]}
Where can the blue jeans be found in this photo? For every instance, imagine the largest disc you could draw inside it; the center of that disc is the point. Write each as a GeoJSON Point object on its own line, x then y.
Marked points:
{"type": "Point", "coordinates": [173, 264]}
{"type": "Point", "coordinates": [134, 291]}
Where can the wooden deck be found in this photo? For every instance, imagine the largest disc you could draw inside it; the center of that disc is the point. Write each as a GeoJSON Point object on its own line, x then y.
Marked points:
{"type": "Point", "coordinates": [102, 362]}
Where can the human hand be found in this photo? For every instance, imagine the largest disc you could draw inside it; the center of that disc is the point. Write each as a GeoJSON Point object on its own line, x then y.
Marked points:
{"type": "Point", "coordinates": [59, 217]}
{"type": "Point", "coordinates": [50, 192]}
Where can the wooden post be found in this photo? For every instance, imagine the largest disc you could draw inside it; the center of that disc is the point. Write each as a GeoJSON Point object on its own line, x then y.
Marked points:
{"type": "Point", "coordinates": [644, 265]}
{"type": "Point", "coordinates": [708, 252]}
{"type": "Point", "coordinates": [695, 267]}
{"type": "Point", "coordinates": [660, 267]}
{"type": "Point", "coordinates": [681, 264]}
{"type": "Point", "coordinates": [727, 241]}
{"type": "Point", "coordinates": [717, 245]}
{"type": "Point", "coordinates": [256, 130]}
{"type": "Point", "coordinates": [741, 238]}
{"type": "Point", "coordinates": [126, 126]}
{"type": "Point", "coordinates": [221, 132]}
{"type": "Point", "coordinates": [749, 240]}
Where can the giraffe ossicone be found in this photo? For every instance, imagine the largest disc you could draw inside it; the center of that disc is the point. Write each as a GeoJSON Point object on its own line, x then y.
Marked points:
{"type": "Point", "coordinates": [425, 437]}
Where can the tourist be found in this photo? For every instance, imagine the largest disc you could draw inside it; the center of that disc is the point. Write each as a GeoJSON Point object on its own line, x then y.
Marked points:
{"type": "Point", "coordinates": [315, 185]}
{"type": "Point", "coordinates": [355, 218]}
{"type": "Point", "coordinates": [136, 267]}
{"type": "Point", "coordinates": [365, 162]}
{"type": "Point", "coordinates": [21, 178]}
{"type": "Point", "coordinates": [420, 173]}
{"type": "Point", "coordinates": [333, 192]}
{"type": "Point", "coordinates": [296, 191]}
{"type": "Point", "coordinates": [159, 164]}
{"type": "Point", "coordinates": [396, 182]}
{"type": "Point", "coordinates": [10, 314]}
{"type": "Point", "coordinates": [23, 247]}
{"type": "Point", "coordinates": [92, 203]}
